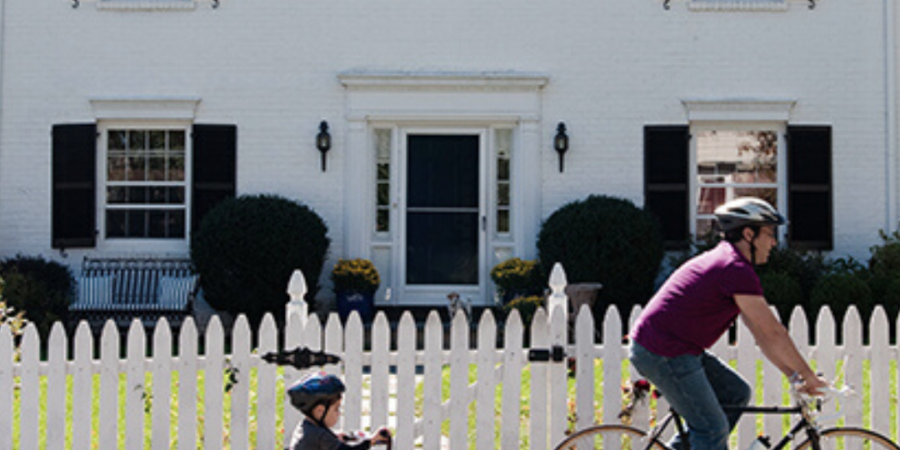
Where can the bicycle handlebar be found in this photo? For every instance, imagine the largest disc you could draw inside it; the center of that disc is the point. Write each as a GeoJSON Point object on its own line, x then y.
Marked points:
{"type": "Point", "coordinates": [300, 358]}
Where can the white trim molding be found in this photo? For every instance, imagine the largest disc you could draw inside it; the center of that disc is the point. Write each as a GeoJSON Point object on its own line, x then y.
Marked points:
{"type": "Point", "coordinates": [520, 81]}
{"type": "Point", "coordinates": [738, 109]}
{"type": "Point", "coordinates": [146, 5]}
{"type": "Point", "coordinates": [737, 5]}
{"type": "Point", "coordinates": [170, 108]}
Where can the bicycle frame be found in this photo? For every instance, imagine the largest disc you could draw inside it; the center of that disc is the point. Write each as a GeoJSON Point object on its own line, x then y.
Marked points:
{"type": "Point", "coordinates": [802, 424]}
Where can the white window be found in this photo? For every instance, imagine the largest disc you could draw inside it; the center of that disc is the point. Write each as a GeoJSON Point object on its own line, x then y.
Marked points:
{"type": "Point", "coordinates": [503, 180]}
{"type": "Point", "coordinates": [383, 138]}
{"type": "Point", "coordinates": [731, 163]}
{"type": "Point", "coordinates": [145, 191]}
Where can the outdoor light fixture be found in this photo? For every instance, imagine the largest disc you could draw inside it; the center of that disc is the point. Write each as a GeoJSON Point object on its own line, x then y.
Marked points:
{"type": "Point", "coordinates": [561, 143]}
{"type": "Point", "coordinates": [323, 141]}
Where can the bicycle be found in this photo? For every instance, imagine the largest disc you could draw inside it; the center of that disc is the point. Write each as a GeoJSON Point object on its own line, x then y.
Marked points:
{"type": "Point", "coordinates": [625, 437]}
{"type": "Point", "coordinates": [302, 358]}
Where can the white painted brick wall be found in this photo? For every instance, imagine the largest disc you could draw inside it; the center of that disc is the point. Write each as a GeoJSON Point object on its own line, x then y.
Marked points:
{"type": "Point", "coordinates": [270, 67]}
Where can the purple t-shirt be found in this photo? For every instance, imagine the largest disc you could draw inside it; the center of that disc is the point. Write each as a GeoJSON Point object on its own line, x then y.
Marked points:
{"type": "Point", "coordinates": [695, 306]}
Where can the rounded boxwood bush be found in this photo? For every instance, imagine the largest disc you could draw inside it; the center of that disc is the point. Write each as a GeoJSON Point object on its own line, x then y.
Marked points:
{"type": "Point", "coordinates": [783, 292]}
{"type": "Point", "coordinates": [247, 248]}
{"type": "Point", "coordinates": [40, 288]}
{"type": "Point", "coordinates": [885, 258]}
{"type": "Point", "coordinates": [606, 240]}
{"type": "Point", "coordinates": [839, 291]}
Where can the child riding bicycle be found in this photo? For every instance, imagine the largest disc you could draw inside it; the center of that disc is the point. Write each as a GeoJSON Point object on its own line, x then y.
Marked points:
{"type": "Point", "coordinates": [318, 397]}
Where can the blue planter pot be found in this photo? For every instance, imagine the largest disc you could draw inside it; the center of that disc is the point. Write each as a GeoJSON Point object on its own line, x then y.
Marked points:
{"type": "Point", "coordinates": [364, 304]}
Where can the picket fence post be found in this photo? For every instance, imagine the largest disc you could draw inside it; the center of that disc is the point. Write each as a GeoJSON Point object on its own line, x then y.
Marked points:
{"type": "Point", "coordinates": [392, 401]}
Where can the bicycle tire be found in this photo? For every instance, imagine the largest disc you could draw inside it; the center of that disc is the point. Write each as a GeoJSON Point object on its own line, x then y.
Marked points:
{"type": "Point", "coordinates": [850, 438]}
{"type": "Point", "coordinates": [609, 437]}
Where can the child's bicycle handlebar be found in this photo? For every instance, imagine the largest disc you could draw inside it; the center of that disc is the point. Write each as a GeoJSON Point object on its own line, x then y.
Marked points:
{"type": "Point", "coordinates": [301, 358]}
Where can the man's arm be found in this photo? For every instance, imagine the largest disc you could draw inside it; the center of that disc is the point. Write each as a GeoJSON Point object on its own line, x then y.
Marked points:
{"type": "Point", "coordinates": [775, 342]}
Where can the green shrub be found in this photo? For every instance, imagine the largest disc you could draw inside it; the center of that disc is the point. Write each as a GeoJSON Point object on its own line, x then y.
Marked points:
{"type": "Point", "coordinates": [783, 292]}
{"type": "Point", "coordinates": [839, 290]}
{"type": "Point", "coordinates": [517, 277]}
{"type": "Point", "coordinates": [247, 248]}
{"type": "Point", "coordinates": [804, 268]}
{"type": "Point", "coordinates": [885, 258]}
{"type": "Point", "coordinates": [527, 307]}
{"type": "Point", "coordinates": [41, 289]}
{"type": "Point", "coordinates": [606, 240]}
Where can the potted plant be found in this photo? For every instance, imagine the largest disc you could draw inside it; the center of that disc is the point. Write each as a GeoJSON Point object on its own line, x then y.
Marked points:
{"type": "Point", "coordinates": [516, 277]}
{"type": "Point", "coordinates": [355, 282]}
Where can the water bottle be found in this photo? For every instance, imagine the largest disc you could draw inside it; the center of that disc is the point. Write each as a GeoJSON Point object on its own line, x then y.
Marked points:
{"type": "Point", "coordinates": [760, 443]}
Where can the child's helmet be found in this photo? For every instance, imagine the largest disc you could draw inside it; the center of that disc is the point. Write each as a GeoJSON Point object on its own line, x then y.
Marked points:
{"type": "Point", "coordinates": [747, 211]}
{"type": "Point", "coordinates": [315, 389]}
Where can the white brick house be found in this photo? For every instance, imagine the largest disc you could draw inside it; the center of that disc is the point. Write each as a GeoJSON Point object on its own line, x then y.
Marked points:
{"type": "Point", "coordinates": [442, 116]}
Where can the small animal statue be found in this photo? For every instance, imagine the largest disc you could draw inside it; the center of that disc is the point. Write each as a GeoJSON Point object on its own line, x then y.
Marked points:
{"type": "Point", "coordinates": [456, 303]}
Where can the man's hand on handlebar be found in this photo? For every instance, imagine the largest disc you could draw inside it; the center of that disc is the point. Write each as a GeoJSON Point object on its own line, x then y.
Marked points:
{"type": "Point", "coordinates": [814, 385]}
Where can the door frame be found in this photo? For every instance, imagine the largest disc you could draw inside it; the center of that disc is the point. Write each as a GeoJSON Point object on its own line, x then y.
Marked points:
{"type": "Point", "coordinates": [437, 294]}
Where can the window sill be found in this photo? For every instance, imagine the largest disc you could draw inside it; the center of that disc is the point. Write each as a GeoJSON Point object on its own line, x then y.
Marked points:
{"type": "Point", "coordinates": [737, 5]}
{"type": "Point", "coordinates": [146, 5]}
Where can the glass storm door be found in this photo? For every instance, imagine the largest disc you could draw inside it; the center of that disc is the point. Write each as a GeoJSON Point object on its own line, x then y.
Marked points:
{"type": "Point", "coordinates": [442, 210]}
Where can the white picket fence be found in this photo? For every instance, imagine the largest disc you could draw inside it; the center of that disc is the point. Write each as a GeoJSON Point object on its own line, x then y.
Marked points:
{"type": "Point", "coordinates": [386, 392]}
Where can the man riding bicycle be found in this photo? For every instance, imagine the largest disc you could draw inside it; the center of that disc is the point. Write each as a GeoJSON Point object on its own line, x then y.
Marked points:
{"type": "Point", "coordinates": [693, 309]}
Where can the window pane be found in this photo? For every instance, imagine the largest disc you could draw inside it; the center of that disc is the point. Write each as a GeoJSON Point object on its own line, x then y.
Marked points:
{"type": "Point", "coordinates": [157, 140]}
{"type": "Point", "coordinates": [383, 220]}
{"type": "Point", "coordinates": [176, 167]}
{"type": "Point", "coordinates": [158, 194]}
{"type": "Point", "coordinates": [115, 224]}
{"type": "Point", "coordinates": [175, 221]}
{"type": "Point", "coordinates": [443, 170]}
{"type": "Point", "coordinates": [503, 169]}
{"type": "Point", "coordinates": [768, 194]}
{"type": "Point", "coordinates": [137, 140]}
{"type": "Point", "coordinates": [503, 221]}
{"type": "Point", "coordinates": [383, 145]}
{"type": "Point", "coordinates": [383, 194]}
{"type": "Point", "coordinates": [157, 169]}
{"type": "Point", "coordinates": [737, 156]}
{"type": "Point", "coordinates": [176, 140]}
{"type": "Point", "coordinates": [709, 199]}
{"type": "Point", "coordinates": [157, 224]}
{"type": "Point", "coordinates": [136, 223]}
{"type": "Point", "coordinates": [138, 195]}
{"type": "Point", "coordinates": [442, 248]}
{"type": "Point", "coordinates": [503, 194]}
{"type": "Point", "coordinates": [115, 170]}
{"type": "Point", "coordinates": [384, 171]}
{"type": "Point", "coordinates": [176, 195]}
{"type": "Point", "coordinates": [118, 139]}
{"type": "Point", "coordinates": [136, 169]}
{"type": "Point", "coordinates": [115, 194]}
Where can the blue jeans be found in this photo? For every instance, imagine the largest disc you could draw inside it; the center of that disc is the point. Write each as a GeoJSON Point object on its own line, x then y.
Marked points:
{"type": "Point", "coordinates": [697, 386]}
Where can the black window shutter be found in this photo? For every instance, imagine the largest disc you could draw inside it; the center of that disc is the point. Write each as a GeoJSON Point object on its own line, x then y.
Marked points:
{"type": "Point", "coordinates": [810, 205]}
{"type": "Point", "coordinates": [74, 197]}
{"type": "Point", "coordinates": [666, 184]}
{"type": "Point", "coordinates": [214, 168]}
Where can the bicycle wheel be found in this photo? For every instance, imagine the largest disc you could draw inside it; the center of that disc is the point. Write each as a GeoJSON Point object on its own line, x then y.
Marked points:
{"type": "Point", "coordinates": [610, 437]}
{"type": "Point", "coordinates": [849, 438]}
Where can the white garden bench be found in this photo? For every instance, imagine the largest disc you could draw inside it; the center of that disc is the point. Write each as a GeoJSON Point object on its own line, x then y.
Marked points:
{"type": "Point", "coordinates": [126, 288]}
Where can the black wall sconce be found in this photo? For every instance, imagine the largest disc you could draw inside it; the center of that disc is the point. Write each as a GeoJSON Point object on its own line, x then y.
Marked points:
{"type": "Point", "coordinates": [561, 143]}
{"type": "Point", "coordinates": [323, 141]}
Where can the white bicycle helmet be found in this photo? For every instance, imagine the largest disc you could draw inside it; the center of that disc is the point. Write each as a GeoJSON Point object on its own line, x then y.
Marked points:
{"type": "Point", "coordinates": [747, 211]}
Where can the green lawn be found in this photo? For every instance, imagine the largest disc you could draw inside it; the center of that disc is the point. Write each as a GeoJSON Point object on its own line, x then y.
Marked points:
{"type": "Point", "coordinates": [473, 373]}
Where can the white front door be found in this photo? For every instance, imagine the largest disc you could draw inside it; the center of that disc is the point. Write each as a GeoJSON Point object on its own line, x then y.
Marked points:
{"type": "Point", "coordinates": [441, 244]}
